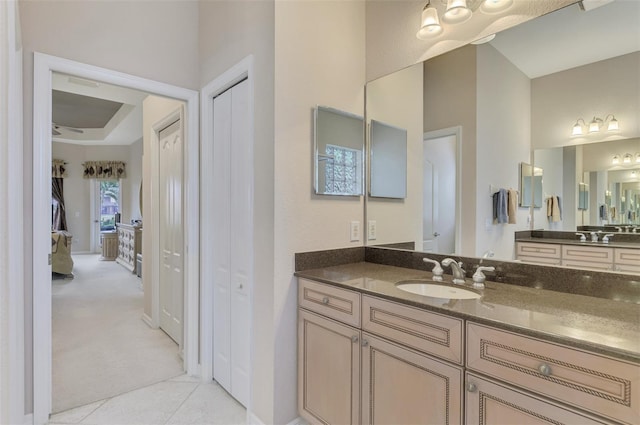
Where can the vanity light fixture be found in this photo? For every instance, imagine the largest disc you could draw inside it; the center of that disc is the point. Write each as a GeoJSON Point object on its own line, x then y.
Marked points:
{"type": "Point", "coordinates": [615, 160]}
{"type": "Point", "coordinates": [456, 12]}
{"type": "Point", "coordinates": [638, 157]}
{"type": "Point", "coordinates": [595, 125]}
{"type": "Point", "coordinates": [626, 159]}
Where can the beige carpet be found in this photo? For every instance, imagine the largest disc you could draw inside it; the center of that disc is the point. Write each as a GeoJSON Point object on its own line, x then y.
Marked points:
{"type": "Point", "coordinates": [101, 346]}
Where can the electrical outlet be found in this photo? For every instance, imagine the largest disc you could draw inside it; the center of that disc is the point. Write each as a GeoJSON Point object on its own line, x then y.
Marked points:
{"type": "Point", "coordinates": [355, 231]}
{"type": "Point", "coordinates": [372, 230]}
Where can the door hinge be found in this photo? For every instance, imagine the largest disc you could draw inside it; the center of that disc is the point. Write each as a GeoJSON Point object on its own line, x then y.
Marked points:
{"type": "Point", "coordinates": [49, 256]}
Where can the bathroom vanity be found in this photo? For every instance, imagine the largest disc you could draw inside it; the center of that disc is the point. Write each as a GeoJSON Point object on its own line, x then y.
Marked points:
{"type": "Point", "coordinates": [371, 353]}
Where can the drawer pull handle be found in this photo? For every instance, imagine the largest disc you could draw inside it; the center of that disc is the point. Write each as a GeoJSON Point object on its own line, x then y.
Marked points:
{"type": "Point", "coordinates": [354, 338]}
{"type": "Point", "coordinates": [471, 387]}
{"type": "Point", "coordinates": [365, 342]}
{"type": "Point", "coordinates": [544, 369]}
{"type": "Point", "coordinates": [325, 300]}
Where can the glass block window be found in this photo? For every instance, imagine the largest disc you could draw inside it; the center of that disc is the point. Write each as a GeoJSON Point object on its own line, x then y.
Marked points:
{"type": "Point", "coordinates": [343, 173]}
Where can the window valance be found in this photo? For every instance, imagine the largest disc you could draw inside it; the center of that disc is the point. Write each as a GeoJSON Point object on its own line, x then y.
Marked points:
{"type": "Point", "coordinates": [104, 170]}
{"type": "Point", "coordinates": [59, 169]}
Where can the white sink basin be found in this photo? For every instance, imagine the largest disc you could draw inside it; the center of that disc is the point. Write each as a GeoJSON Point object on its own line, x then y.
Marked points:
{"type": "Point", "coordinates": [437, 290]}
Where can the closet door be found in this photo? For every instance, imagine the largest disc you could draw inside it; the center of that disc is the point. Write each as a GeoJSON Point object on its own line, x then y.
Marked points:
{"type": "Point", "coordinates": [233, 244]}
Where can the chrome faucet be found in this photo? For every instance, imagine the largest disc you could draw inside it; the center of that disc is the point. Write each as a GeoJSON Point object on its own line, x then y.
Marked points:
{"type": "Point", "coordinates": [456, 269]}
{"type": "Point", "coordinates": [594, 237]}
{"type": "Point", "coordinates": [607, 237]}
{"type": "Point", "coordinates": [437, 270]}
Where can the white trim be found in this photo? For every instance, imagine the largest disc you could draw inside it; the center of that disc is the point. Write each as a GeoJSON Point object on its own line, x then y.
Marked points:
{"type": "Point", "coordinates": [235, 74]}
{"type": "Point", "coordinates": [44, 66]}
{"type": "Point", "coordinates": [12, 403]}
{"type": "Point", "coordinates": [457, 132]}
{"type": "Point", "coordinates": [28, 419]}
{"type": "Point", "coordinates": [147, 320]}
{"type": "Point", "coordinates": [252, 419]}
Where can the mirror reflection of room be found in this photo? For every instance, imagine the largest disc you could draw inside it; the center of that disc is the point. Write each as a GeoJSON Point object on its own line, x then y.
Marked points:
{"type": "Point", "coordinates": [530, 85]}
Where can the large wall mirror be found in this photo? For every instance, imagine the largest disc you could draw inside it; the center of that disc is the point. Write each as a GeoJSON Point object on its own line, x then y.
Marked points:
{"type": "Point", "coordinates": [493, 105]}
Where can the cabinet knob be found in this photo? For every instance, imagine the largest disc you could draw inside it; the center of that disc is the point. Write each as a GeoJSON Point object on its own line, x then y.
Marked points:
{"type": "Point", "coordinates": [354, 338]}
{"type": "Point", "coordinates": [544, 369]}
{"type": "Point", "coordinates": [240, 286]}
{"type": "Point", "coordinates": [325, 300]}
{"type": "Point", "coordinates": [365, 343]}
{"type": "Point", "coordinates": [471, 387]}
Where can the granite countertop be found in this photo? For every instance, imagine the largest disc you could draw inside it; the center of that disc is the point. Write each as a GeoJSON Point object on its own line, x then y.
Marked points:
{"type": "Point", "coordinates": [595, 324]}
{"type": "Point", "coordinates": [612, 243]}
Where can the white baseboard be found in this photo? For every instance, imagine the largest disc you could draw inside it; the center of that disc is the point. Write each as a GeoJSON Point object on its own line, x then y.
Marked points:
{"type": "Point", "coordinates": [146, 319]}
{"type": "Point", "coordinates": [28, 419]}
{"type": "Point", "coordinates": [252, 419]}
{"type": "Point", "coordinates": [83, 252]}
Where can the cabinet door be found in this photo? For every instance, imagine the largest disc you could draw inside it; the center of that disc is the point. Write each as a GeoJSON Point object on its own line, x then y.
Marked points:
{"type": "Point", "coordinates": [489, 403]}
{"type": "Point", "coordinates": [402, 386]}
{"type": "Point", "coordinates": [328, 370]}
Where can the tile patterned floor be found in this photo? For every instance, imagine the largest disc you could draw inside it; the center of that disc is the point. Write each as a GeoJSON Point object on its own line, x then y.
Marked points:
{"type": "Point", "coordinates": [177, 401]}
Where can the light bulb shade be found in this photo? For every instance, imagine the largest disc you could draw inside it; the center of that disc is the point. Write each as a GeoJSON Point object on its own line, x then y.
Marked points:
{"type": "Point", "coordinates": [577, 130]}
{"type": "Point", "coordinates": [594, 126]}
{"type": "Point", "coordinates": [638, 157]}
{"type": "Point", "coordinates": [495, 6]}
{"type": "Point", "coordinates": [615, 160]}
{"type": "Point", "coordinates": [430, 24]}
{"type": "Point", "coordinates": [457, 12]}
{"type": "Point", "coordinates": [626, 159]}
{"type": "Point", "coordinates": [613, 125]}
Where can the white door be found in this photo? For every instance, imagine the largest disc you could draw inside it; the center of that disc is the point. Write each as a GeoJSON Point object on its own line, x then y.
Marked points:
{"type": "Point", "coordinates": [233, 239]}
{"type": "Point", "coordinates": [439, 164]}
{"type": "Point", "coordinates": [170, 222]}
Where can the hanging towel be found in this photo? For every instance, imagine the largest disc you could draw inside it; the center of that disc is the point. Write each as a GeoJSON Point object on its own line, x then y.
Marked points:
{"type": "Point", "coordinates": [603, 212]}
{"type": "Point", "coordinates": [500, 213]}
{"type": "Point", "coordinates": [553, 209]}
{"type": "Point", "coordinates": [513, 205]}
{"type": "Point", "coordinates": [613, 213]}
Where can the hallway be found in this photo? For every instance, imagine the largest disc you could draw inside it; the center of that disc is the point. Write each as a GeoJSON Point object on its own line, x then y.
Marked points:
{"type": "Point", "coordinates": [101, 346]}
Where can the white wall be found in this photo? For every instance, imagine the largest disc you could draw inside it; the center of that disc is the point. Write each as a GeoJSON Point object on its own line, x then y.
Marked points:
{"type": "Point", "coordinates": [155, 40]}
{"type": "Point", "coordinates": [607, 87]}
{"type": "Point", "coordinates": [503, 140]}
{"type": "Point", "coordinates": [319, 59]}
{"type": "Point", "coordinates": [396, 99]}
{"type": "Point", "coordinates": [77, 189]}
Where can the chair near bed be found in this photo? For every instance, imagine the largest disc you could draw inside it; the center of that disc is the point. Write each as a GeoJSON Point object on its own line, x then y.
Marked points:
{"type": "Point", "coordinates": [61, 261]}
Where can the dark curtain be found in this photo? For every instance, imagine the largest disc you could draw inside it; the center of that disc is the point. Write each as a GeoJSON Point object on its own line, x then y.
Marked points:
{"type": "Point", "coordinates": [60, 217]}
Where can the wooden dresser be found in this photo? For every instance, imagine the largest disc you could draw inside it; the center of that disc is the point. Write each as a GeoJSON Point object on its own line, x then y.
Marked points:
{"type": "Point", "coordinates": [129, 245]}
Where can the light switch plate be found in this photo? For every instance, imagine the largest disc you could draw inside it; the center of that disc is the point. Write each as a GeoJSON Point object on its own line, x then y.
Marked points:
{"type": "Point", "coordinates": [355, 231]}
{"type": "Point", "coordinates": [372, 231]}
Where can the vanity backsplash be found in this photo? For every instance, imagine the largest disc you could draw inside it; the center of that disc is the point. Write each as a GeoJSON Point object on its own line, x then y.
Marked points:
{"type": "Point", "coordinates": [614, 286]}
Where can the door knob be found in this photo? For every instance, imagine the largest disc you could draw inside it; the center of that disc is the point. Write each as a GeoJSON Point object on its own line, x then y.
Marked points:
{"type": "Point", "coordinates": [436, 234]}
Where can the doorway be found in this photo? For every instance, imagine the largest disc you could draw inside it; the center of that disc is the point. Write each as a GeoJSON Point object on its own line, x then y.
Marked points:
{"type": "Point", "coordinates": [441, 186]}
{"type": "Point", "coordinates": [44, 66]}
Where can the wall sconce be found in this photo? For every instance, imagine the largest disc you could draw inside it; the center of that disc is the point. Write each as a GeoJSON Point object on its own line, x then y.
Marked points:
{"type": "Point", "coordinates": [625, 159]}
{"type": "Point", "coordinates": [456, 12]}
{"type": "Point", "coordinates": [595, 125]}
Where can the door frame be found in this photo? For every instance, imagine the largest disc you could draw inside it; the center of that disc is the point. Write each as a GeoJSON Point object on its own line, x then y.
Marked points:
{"type": "Point", "coordinates": [457, 133]}
{"type": "Point", "coordinates": [235, 74]}
{"type": "Point", "coordinates": [44, 66]}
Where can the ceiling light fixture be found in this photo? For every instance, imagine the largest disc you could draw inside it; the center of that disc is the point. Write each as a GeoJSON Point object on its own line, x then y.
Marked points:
{"type": "Point", "coordinates": [595, 126]}
{"type": "Point", "coordinates": [455, 12]}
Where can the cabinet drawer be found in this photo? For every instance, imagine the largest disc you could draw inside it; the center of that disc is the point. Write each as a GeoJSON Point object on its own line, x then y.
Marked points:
{"type": "Point", "coordinates": [538, 250]}
{"type": "Point", "coordinates": [629, 257]}
{"type": "Point", "coordinates": [335, 303]}
{"type": "Point", "coordinates": [423, 330]}
{"type": "Point", "coordinates": [540, 260]}
{"type": "Point", "coordinates": [595, 383]}
{"type": "Point", "coordinates": [490, 402]}
{"type": "Point", "coordinates": [627, 268]}
{"type": "Point", "coordinates": [588, 265]}
{"type": "Point", "coordinates": [587, 253]}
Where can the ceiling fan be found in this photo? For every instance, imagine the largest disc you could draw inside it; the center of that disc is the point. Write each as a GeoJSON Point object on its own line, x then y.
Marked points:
{"type": "Point", "coordinates": [55, 127]}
